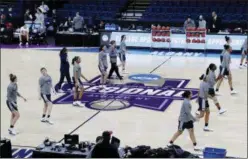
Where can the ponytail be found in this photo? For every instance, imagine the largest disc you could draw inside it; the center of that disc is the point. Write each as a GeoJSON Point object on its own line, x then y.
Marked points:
{"type": "Point", "coordinates": [12, 77]}
{"type": "Point", "coordinates": [202, 77]}
{"type": "Point", "coordinates": [74, 59]}
{"type": "Point", "coordinates": [186, 94]}
{"type": "Point", "coordinates": [122, 37]}
{"type": "Point", "coordinates": [227, 38]}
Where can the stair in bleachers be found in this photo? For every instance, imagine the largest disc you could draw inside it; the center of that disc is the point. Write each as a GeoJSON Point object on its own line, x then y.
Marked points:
{"type": "Point", "coordinates": [135, 10]}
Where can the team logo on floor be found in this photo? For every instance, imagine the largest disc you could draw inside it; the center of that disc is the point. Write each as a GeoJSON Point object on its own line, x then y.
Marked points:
{"type": "Point", "coordinates": [122, 96]}
{"type": "Point", "coordinates": [22, 153]}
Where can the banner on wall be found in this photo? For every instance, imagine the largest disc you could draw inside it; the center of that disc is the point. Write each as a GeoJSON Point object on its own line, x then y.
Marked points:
{"type": "Point", "coordinates": [178, 41]}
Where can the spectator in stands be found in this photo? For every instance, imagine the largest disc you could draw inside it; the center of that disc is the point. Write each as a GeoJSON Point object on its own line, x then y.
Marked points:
{"type": "Point", "coordinates": [39, 17]}
{"type": "Point", "coordinates": [214, 23]}
{"type": "Point", "coordinates": [2, 20]}
{"type": "Point", "coordinates": [78, 22]}
{"type": "Point", "coordinates": [101, 26]}
{"type": "Point", "coordinates": [132, 27]}
{"type": "Point", "coordinates": [55, 20]}
{"type": "Point", "coordinates": [44, 8]}
{"type": "Point", "coordinates": [9, 16]}
{"type": "Point", "coordinates": [189, 23]}
{"type": "Point", "coordinates": [28, 16]}
{"type": "Point", "coordinates": [24, 35]}
{"type": "Point", "coordinates": [67, 24]}
{"type": "Point", "coordinates": [104, 149]}
{"type": "Point", "coordinates": [202, 22]}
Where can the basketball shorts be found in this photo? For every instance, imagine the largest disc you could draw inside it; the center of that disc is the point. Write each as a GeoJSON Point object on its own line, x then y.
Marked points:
{"type": "Point", "coordinates": [221, 58]}
{"type": "Point", "coordinates": [244, 53]}
{"type": "Point", "coordinates": [102, 70]}
{"type": "Point", "coordinates": [46, 98]}
{"type": "Point", "coordinates": [211, 92]}
{"type": "Point", "coordinates": [12, 106]}
{"type": "Point", "coordinates": [122, 57]}
{"type": "Point", "coordinates": [203, 104]}
{"type": "Point", "coordinates": [80, 83]}
{"type": "Point", "coordinates": [224, 71]}
{"type": "Point", "coordinates": [185, 125]}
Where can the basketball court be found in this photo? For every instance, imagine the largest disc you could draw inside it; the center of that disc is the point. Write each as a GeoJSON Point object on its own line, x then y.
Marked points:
{"type": "Point", "coordinates": [134, 118]}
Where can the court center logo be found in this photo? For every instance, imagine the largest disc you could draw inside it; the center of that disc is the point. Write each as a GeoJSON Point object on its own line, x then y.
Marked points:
{"type": "Point", "coordinates": [144, 77]}
{"type": "Point", "coordinates": [122, 96]}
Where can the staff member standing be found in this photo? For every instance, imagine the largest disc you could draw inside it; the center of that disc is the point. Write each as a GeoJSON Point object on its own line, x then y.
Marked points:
{"type": "Point", "coordinates": [64, 70]}
{"type": "Point", "coordinates": [113, 60]}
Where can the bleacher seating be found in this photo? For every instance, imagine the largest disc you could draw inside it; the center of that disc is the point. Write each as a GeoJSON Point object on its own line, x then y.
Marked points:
{"type": "Point", "coordinates": [101, 9]}
{"type": "Point", "coordinates": [179, 10]}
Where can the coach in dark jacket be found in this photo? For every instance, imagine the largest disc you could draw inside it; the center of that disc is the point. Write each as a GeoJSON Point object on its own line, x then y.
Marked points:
{"type": "Point", "coordinates": [64, 69]}
{"type": "Point", "coordinates": [214, 23]}
{"type": "Point", "coordinates": [105, 149]}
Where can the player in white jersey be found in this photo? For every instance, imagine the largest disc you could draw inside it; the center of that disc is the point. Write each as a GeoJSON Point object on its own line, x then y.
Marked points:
{"type": "Point", "coordinates": [244, 54]}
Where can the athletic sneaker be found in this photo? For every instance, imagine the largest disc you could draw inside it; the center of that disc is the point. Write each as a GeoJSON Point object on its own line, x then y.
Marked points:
{"type": "Point", "coordinates": [222, 111]}
{"type": "Point", "coordinates": [196, 148]}
{"type": "Point", "coordinates": [27, 44]}
{"type": "Point", "coordinates": [49, 121]}
{"type": "Point", "coordinates": [80, 104]}
{"type": "Point", "coordinates": [234, 92]}
{"type": "Point", "coordinates": [20, 44]}
{"type": "Point", "coordinates": [217, 93]}
{"type": "Point", "coordinates": [206, 128]}
{"type": "Point", "coordinates": [75, 103]}
{"type": "Point", "coordinates": [43, 119]}
{"type": "Point", "coordinates": [169, 144]}
{"type": "Point", "coordinates": [197, 112]}
{"type": "Point", "coordinates": [60, 91]}
{"type": "Point", "coordinates": [12, 131]}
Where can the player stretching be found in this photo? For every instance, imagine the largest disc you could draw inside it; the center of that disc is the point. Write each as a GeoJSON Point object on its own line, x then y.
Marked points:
{"type": "Point", "coordinates": [122, 53]}
{"type": "Point", "coordinates": [45, 87]}
{"type": "Point", "coordinates": [203, 102]}
{"type": "Point", "coordinates": [244, 54]}
{"type": "Point", "coordinates": [103, 63]}
{"type": "Point", "coordinates": [225, 69]}
{"type": "Point", "coordinates": [12, 94]}
{"type": "Point", "coordinates": [77, 82]}
{"type": "Point", "coordinates": [186, 120]}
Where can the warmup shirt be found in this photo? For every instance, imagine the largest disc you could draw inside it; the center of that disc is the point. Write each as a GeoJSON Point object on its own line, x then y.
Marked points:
{"type": "Point", "coordinates": [12, 93]}
{"type": "Point", "coordinates": [211, 79]}
{"type": "Point", "coordinates": [245, 45]}
{"type": "Point", "coordinates": [185, 113]}
{"type": "Point", "coordinates": [123, 48]}
{"type": "Point", "coordinates": [203, 91]}
{"type": "Point", "coordinates": [64, 64]}
{"type": "Point", "coordinates": [103, 63]}
{"type": "Point", "coordinates": [113, 55]}
{"type": "Point", "coordinates": [77, 70]}
{"type": "Point", "coordinates": [226, 60]}
{"type": "Point", "coordinates": [45, 85]}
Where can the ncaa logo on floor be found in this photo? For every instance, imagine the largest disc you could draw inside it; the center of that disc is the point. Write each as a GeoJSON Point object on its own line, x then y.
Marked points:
{"type": "Point", "coordinates": [122, 96]}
